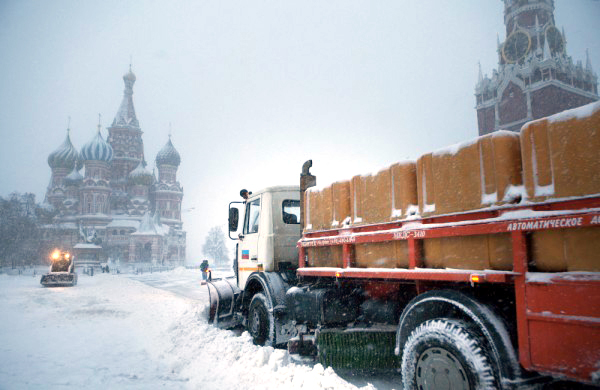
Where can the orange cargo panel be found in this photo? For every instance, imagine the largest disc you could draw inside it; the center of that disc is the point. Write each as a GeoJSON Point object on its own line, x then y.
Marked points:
{"type": "Point", "coordinates": [500, 252]}
{"type": "Point", "coordinates": [340, 197]}
{"type": "Point", "coordinates": [561, 160]}
{"type": "Point", "coordinates": [566, 250]}
{"type": "Point", "coordinates": [312, 209]}
{"type": "Point", "coordinates": [470, 176]}
{"type": "Point", "coordinates": [320, 209]}
{"type": "Point", "coordinates": [327, 256]}
{"type": "Point", "coordinates": [377, 199]}
{"type": "Point", "coordinates": [560, 154]}
{"type": "Point", "coordinates": [371, 198]}
{"type": "Point", "coordinates": [404, 189]}
{"type": "Point", "coordinates": [388, 195]}
{"type": "Point", "coordinates": [326, 206]}
{"type": "Point", "coordinates": [357, 193]}
{"type": "Point", "coordinates": [470, 252]}
{"type": "Point", "coordinates": [457, 179]}
{"type": "Point", "coordinates": [425, 185]}
{"type": "Point", "coordinates": [392, 254]}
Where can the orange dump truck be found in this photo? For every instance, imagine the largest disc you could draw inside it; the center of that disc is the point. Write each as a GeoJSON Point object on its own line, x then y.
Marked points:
{"type": "Point", "coordinates": [477, 266]}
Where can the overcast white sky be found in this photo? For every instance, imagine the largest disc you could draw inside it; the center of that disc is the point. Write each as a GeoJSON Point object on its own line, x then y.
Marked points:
{"type": "Point", "coordinates": [252, 88]}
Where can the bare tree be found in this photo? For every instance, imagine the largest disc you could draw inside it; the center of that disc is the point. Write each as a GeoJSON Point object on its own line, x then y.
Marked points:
{"type": "Point", "coordinates": [19, 233]}
{"type": "Point", "coordinates": [214, 247]}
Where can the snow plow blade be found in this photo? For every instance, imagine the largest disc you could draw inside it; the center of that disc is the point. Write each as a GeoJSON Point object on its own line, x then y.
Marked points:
{"type": "Point", "coordinates": [222, 295]}
{"type": "Point", "coordinates": [59, 280]}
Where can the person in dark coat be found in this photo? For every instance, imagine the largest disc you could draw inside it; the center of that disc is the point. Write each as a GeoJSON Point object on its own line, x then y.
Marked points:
{"type": "Point", "coordinates": [204, 269]}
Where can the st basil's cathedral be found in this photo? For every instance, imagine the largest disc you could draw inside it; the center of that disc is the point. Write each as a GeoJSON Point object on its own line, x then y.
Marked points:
{"type": "Point", "coordinates": [106, 199]}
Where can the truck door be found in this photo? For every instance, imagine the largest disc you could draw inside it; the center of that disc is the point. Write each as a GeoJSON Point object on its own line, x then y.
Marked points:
{"type": "Point", "coordinates": [248, 247]}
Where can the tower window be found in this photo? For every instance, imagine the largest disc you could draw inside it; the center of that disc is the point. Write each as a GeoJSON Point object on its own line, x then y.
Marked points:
{"type": "Point", "coordinates": [546, 75]}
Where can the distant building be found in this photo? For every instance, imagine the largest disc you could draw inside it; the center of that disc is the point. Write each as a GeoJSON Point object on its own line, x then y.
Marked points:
{"type": "Point", "coordinates": [535, 76]}
{"type": "Point", "coordinates": [117, 203]}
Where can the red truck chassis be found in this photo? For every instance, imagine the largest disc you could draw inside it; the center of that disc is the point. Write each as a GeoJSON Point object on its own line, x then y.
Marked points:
{"type": "Point", "coordinates": [557, 314]}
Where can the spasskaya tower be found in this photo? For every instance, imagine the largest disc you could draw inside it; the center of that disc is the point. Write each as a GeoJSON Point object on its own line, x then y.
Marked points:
{"type": "Point", "coordinates": [535, 76]}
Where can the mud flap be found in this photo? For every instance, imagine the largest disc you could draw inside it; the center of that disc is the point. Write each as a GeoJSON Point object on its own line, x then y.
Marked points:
{"type": "Point", "coordinates": [222, 296]}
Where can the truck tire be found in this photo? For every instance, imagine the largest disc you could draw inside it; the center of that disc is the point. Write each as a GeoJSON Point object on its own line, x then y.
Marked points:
{"type": "Point", "coordinates": [260, 320]}
{"type": "Point", "coordinates": [446, 354]}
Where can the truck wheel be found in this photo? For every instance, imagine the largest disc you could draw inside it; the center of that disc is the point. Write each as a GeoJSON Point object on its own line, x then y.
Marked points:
{"type": "Point", "coordinates": [446, 354]}
{"type": "Point", "coordinates": [260, 320]}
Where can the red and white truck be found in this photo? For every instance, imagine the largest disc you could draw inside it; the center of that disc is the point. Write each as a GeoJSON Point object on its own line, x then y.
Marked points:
{"type": "Point", "coordinates": [477, 266]}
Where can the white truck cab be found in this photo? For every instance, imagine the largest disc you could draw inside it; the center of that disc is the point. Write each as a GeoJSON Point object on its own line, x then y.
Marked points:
{"type": "Point", "coordinates": [269, 231]}
{"type": "Point", "coordinates": [267, 225]}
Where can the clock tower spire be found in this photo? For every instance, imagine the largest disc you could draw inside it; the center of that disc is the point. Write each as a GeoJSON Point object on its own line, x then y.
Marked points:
{"type": "Point", "coordinates": [535, 76]}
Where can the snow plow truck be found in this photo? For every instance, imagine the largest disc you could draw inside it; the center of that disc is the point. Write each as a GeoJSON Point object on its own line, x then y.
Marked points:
{"type": "Point", "coordinates": [62, 271]}
{"type": "Point", "coordinates": [475, 267]}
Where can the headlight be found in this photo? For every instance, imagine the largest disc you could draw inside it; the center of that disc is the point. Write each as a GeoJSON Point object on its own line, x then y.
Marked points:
{"type": "Point", "coordinates": [55, 255]}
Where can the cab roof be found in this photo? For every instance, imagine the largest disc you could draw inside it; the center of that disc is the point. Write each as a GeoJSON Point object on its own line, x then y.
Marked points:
{"type": "Point", "coordinates": [276, 189]}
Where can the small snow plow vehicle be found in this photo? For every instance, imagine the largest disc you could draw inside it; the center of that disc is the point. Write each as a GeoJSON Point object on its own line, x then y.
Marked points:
{"type": "Point", "coordinates": [62, 271]}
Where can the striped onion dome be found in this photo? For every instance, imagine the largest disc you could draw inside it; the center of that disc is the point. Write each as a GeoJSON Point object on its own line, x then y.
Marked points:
{"type": "Point", "coordinates": [65, 156]}
{"type": "Point", "coordinates": [74, 178]}
{"type": "Point", "coordinates": [168, 155]}
{"type": "Point", "coordinates": [141, 176]}
{"type": "Point", "coordinates": [97, 149]}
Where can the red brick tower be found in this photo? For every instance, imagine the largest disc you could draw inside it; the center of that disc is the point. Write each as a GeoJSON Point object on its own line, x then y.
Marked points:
{"type": "Point", "coordinates": [535, 76]}
{"type": "Point", "coordinates": [125, 137]}
{"type": "Point", "coordinates": [168, 193]}
{"type": "Point", "coordinates": [95, 192]}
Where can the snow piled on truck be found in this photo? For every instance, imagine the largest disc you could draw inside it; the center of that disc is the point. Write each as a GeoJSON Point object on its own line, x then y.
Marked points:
{"type": "Point", "coordinates": [576, 113]}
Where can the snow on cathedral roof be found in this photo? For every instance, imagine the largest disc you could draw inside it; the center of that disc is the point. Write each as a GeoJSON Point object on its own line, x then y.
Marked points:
{"type": "Point", "coordinates": [126, 115]}
{"type": "Point", "coordinates": [141, 175]}
{"type": "Point", "coordinates": [120, 223]}
{"type": "Point", "coordinates": [151, 226]}
{"type": "Point", "coordinates": [73, 178]}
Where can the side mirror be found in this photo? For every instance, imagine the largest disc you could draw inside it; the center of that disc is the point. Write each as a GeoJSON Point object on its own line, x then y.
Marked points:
{"type": "Point", "coordinates": [234, 216]}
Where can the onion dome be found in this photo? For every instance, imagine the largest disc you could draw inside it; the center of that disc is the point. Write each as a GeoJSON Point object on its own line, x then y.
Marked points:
{"type": "Point", "coordinates": [97, 149]}
{"type": "Point", "coordinates": [141, 176]}
{"type": "Point", "coordinates": [74, 178]}
{"type": "Point", "coordinates": [129, 76]}
{"type": "Point", "coordinates": [168, 155]}
{"type": "Point", "coordinates": [66, 156]}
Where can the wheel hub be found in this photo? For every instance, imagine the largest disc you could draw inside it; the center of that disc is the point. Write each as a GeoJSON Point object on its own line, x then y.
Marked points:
{"type": "Point", "coordinates": [255, 322]}
{"type": "Point", "coordinates": [440, 370]}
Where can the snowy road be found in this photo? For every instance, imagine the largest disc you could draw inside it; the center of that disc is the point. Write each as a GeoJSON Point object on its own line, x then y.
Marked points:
{"type": "Point", "coordinates": [184, 284]}
{"type": "Point", "coordinates": [111, 331]}
{"type": "Point", "coordinates": [187, 284]}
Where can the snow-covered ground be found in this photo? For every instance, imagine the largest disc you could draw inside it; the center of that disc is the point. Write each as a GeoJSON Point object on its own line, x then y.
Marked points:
{"type": "Point", "coordinates": [117, 331]}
